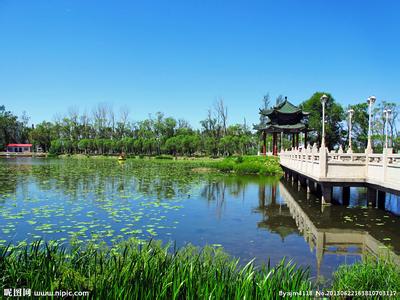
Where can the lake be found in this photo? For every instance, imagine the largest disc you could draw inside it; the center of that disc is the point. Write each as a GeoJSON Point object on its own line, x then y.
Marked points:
{"type": "Point", "coordinates": [81, 200]}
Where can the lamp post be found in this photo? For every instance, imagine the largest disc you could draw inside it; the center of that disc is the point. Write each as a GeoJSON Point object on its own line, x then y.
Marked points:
{"type": "Point", "coordinates": [387, 113]}
{"type": "Point", "coordinates": [350, 112]}
{"type": "Point", "coordinates": [324, 98]}
{"type": "Point", "coordinates": [371, 100]}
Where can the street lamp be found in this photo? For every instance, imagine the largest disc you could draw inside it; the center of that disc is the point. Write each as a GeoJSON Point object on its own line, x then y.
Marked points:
{"type": "Point", "coordinates": [371, 100]}
{"type": "Point", "coordinates": [350, 112]}
{"type": "Point", "coordinates": [324, 98]}
{"type": "Point", "coordinates": [387, 113]}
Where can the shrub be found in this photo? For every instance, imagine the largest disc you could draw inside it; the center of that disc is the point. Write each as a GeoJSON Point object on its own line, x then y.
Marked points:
{"type": "Point", "coordinates": [247, 168]}
{"type": "Point", "coordinates": [225, 166]}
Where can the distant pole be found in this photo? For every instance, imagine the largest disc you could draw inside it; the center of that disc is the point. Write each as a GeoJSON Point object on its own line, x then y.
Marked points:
{"type": "Point", "coordinates": [350, 112]}
{"type": "Point", "coordinates": [387, 113]}
{"type": "Point", "coordinates": [324, 98]}
{"type": "Point", "coordinates": [371, 100]}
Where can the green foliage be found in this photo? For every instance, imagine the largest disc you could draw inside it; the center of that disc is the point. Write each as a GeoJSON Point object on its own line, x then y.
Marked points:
{"type": "Point", "coordinates": [371, 274]}
{"type": "Point", "coordinates": [359, 127]}
{"type": "Point", "coordinates": [379, 126]}
{"type": "Point", "coordinates": [334, 115]}
{"type": "Point", "coordinates": [131, 270]}
{"type": "Point", "coordinates": [12, 130]}
{"type": "Point", "coordinates": [250, 165]}
{"type": "Point", "coordinates": [167, 157]}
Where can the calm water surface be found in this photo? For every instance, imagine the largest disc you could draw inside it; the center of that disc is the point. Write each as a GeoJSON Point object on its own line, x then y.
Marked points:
{"type": "Point", "coordinates": [251, 217]}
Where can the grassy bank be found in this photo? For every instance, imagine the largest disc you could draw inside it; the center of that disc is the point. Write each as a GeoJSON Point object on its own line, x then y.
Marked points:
{"type": "Point", "coordinates": [149, 271]}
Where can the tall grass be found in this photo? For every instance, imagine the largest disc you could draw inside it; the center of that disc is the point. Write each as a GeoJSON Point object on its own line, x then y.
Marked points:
{"type": "Point", "coordinates": [150, 271]}
{"type": "Point", "coordinates": [370, 274]}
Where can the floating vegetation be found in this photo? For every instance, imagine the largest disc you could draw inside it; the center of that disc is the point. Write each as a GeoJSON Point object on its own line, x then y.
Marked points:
{"type": "Point", "coordinates": [92, 200]}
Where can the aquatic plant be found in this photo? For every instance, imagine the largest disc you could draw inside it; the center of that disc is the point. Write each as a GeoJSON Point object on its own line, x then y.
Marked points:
{"type": "Point", "coordinates": [132, 270]}
{"type": "Point", "coordinates": [370, 274]}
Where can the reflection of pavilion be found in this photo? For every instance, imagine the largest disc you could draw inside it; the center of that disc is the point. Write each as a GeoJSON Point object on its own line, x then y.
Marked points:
{"type": "Point", "coordinates": [338, 241]}
{"type": "Point", "coordinates": [276, 215]}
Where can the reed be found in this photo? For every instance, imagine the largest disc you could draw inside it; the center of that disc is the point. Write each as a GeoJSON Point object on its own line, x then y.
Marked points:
{"type": "Point", "coordinates": [370, 274]}
{"type": "Point", "coordinates": [131, 270]}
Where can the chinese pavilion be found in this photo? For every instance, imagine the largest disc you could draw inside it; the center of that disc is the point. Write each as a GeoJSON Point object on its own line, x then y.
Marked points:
{"type": "Point", "coordinates": [284, 118]}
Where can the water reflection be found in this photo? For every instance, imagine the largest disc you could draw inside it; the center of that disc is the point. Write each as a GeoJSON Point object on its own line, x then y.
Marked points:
{"type": "Point", "coordinates": [251, 217]}
{"type": "Point", "coordinates": [329, 234]}
{"type": "Point", "coordinates": [334, 234]}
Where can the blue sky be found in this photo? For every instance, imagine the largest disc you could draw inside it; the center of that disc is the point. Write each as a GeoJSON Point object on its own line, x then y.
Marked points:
{"type": "Point", "coordinates": [178, 57]}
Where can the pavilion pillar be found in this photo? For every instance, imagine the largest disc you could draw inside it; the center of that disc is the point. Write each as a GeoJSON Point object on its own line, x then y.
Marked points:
{"type": "Point", "coordinates": [297, 140]}
{"type": "Point", "coordinates": [293, 140]}
{"type": "Point", "coordinates": [264, 137]}
{"type": "Point", "coordinates": [274, 144]}
{"type": "Point", "coordinates": [305, 139]}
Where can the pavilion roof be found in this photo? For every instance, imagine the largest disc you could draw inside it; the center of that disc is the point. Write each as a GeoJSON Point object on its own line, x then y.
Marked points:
{"type": "Point", "coordinates": [284, 117]}
{"type": "Point", "coordinates": [284, 107]}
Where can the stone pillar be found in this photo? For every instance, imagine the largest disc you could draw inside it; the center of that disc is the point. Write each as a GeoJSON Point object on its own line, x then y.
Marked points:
{"type": "Point", "coordinates": [303, 181]}
{"type": "Point", "coordinates": [346, 195]}
{"type": "Point", "coordinates": [371, 196]}
{"type": "Point", "coordinates": [326, 193]}
{"type": "Point", "coordinates": [294, 178]}
{"type": "Point", "coordinates": [318, 189]}
{"type": "Point", "coordinates": [310, 186]}
{"type": "Point", "coordinates": [381, 199]}
{"type": "Point", "coordinates": [323, 162]}
{"type": "Point", "coordinates": [289, 175]}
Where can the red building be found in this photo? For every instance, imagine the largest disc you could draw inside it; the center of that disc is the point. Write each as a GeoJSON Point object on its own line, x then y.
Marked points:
{"type": "Point", "coordinates": [19, 148]}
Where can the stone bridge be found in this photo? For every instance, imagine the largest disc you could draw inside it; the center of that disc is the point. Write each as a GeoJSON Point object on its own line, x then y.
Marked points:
{"type": "Point", "coordinates": [319, 170]}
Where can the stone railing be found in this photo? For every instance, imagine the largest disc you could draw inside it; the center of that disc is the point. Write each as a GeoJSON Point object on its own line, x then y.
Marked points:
{"type": "Point", "coordinates": [338, 166]}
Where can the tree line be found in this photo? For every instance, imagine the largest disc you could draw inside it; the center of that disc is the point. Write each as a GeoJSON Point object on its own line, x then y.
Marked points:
{"type": "Point", "coordinates": [103, 131]}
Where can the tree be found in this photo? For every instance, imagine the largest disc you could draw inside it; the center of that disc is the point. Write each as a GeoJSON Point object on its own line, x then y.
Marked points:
{"type": "Point", "coordinates": [334, 116]}
{"type": "Point", "coordinates": [279, 100]}
{"type": "Point", "coordinates": [222, 114]}
{"type": "Point", "coordinates": [42, 135]}
{"type": "Point", "coordinates": [8, 127]}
